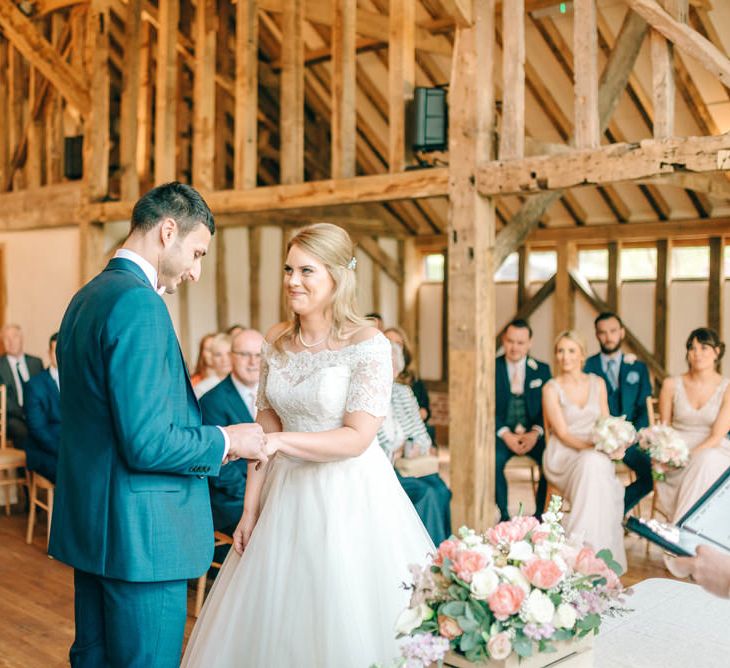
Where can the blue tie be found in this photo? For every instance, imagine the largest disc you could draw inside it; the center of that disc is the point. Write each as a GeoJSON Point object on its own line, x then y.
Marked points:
{"type": "Point", "coordinates": [612, 373]}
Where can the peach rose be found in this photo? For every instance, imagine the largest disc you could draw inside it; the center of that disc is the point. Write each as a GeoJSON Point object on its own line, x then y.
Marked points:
{"type": "Point", "coordinates": [468, 562]}
{"type": "Point", "coordinates": [499, 646]}
{"type": "Point", "coordinates": [506, 601]}
{"type": "Point", "coordinates": [512, 531]}
{"type": "Point", "coordinates": [448, 627]}
{"type": "Point", "coordinates": [447, 550]}
{"type": "Point", "coordinates": [587, 563]}
{"type": "Point", "coordinates": [542, 573]}
{"type": "Point", "coordinates": [538, 537]}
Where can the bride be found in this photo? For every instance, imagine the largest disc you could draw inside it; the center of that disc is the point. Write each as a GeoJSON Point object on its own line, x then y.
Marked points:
{"type": "Point", "coordinates": [327, 532]}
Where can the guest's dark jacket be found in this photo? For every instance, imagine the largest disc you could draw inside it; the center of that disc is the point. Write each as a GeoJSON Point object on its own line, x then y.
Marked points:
{"type": "Point", "coordinates": [223, 406]}
{"type": "Point", "coordinates": [43, 415]}
{"type": "Point", "coordinates": [35, 366]}
{"type": "Point", "coordinates": [536, 375]}
{"type": "Point", "coordinates": [634, 387]}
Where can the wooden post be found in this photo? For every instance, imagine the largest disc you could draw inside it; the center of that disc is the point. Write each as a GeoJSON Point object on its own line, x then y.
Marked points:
{"type": "Point", "coordinates": [343, 89]}
{"type": "Point", "coordinates": [221, 280]}
{"type": "Point", "coordinates": [91, 256]}
{"type": "Point", "coordinates": [166, 93]}
{"type": "Point", "coordinates": [471, 235]}
{"type": "Point", "coordinates": [292, 93]}
{"type": "Point", "coordinates": [34, 134]}
{"type": "Point", "coordinates": [585, 48]}
{"type": "Point", "coordinates": [144, 110]}
{"type": "Point", "coordinates": [564, 299]}
{"type": "Point", "coordinates": [715, 295]}
{"type": "Point", "coordinates": [16, 96]}
{"type": "Point", "coordinates": [523, 278]}
{"type": "Point", "coordinates": [246, 95]}
{"type": "Point", "coordinates": [6, 112]}
{"type": "Point", "coordinates": [512, 136]}
{"type": "Point", "coordinates": [254, 277]}
{"type": "Point", "coordinates": [53, 117]}
{"type": "Point", "coordinates": [663, 87]}
{"type": "Point", "coordinates": [401, 77]}
{"type": "Point", "coordinates": [661, 296]}
{"type": "Point", "coordinates": [206, 26]}
{"type": "Point", "coordinates": [410, 260]}
{"type": "Point", "coordinates": [129, 185]}
{"type": "Point", "coordinates": [613, 295]}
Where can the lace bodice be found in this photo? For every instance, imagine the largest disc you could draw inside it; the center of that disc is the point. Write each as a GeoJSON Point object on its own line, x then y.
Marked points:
{"type": "Point", "coordinates": [311, 392]}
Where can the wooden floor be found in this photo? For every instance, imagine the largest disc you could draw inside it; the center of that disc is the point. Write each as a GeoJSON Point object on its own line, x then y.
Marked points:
{"type": "Point", "coordinates": [36, 592]}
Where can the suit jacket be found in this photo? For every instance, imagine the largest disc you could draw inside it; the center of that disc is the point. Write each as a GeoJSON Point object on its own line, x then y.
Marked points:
{"type": "Point", "coordinates": [223, 406]}
{"type": "Point", "coordinates": [536, 375]}
{"type": "Point", "coordinates": [43, 415]}
{"type": "Point", "coordinates": [634, 387]}
{"type": "Point", "coordinates": [35, 366]}
{"type": "Point", "coordinates": [132, 500]}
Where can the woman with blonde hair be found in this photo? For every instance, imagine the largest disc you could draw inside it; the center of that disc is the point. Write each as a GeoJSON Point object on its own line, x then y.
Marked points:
{"type": "Point", "coordinates": [327, 532]}
{"type": "Point", "coordinates": [572, 402]}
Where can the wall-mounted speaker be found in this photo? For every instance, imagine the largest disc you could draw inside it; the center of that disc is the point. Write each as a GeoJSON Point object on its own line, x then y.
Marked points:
{"type": "Point", "coordinates": [73, 157]}
{"type": "Point", "coordinates": [429, 120]}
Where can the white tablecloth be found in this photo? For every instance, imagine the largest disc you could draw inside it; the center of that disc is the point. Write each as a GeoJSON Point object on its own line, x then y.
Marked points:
{"type": "Point", "coordinates": [673, 624]}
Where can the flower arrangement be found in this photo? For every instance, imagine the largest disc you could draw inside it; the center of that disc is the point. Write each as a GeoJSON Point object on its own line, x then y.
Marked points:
{"type": "Point", "coordinates": [613, 435]}
{"type": "Point", "coordinates": [520, 587]}
{"type": "Point", "coordinates": [666, 448]}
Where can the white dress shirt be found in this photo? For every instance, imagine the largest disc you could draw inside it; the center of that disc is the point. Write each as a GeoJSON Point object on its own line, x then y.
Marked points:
{"type": "Point", "coordinates": [247, 394]}
{"type": "Point", "coordinates": [516, 374]}
{"type": "Point", "coordinates": [54, 374]}
{"type": "Point", "coordinates": [18, 364]}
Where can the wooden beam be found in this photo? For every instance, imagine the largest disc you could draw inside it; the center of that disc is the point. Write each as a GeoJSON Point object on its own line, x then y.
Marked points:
{"type": "Point", "coordinates": [57, 205]}
{"type": "Point", "coordinates": [663, 89]}
{"type": "Point", "coordinates": [401, 78]}
{"type": "Point", "coordinates": [254, 276]}
{"type": "Point", "coordinates": [381, 259]}
{"type": "Point", "coordinates": [34, 134]}
{"type": "Point", "coordinates": [246, 95]}
{"type": "Point", "coordinates": [564, 301]}
{"type": "Point", "coordinates": [166, 93]}
{"type": "Point", "coordinates": [715, 297]}
{"type": "Point", "coordinates": [344, 88]}
{"type": "Point", "coordinates": [530, 306]}
{"type": "Point", "coordinates": [661, 298]}
{"type": "Point", "coordinates": [687, 39]}
{"type": "Point", "coordinates": [206, 28]}
{"type": "Point", "coordinates": [144, 110]}
{"type": "Point", "coordinates": [459, 11]}
{"type": "Point", "coordinates": [523, 278]}
{"type": "Point", "coordinates": [5, 109]}
{"type": "Point", "coordinates": [471, 235]}
{"type": "Point", "coordinates": [613, 295]}
{"type": "Point", "coordinates": [291, 134]}
{"type": "Point", "coordinates": [512, 135]}
{"type": "Point", "coordinates": [91, 250]}
{"type": "Point", "coordinates": [610, 164]}
{"type": "Point", "coordinates": [410, 259]}
{"type": "Point", "coordinates": [585, 47]}
{"type": "Point", "coordinates": [221, 281]}
{"type": "Point", "coordinates": [53, 112]}
{"type": "Point", "coordinates": [128, 140]}
{"type": "Point", "coordinates": [40, 53]}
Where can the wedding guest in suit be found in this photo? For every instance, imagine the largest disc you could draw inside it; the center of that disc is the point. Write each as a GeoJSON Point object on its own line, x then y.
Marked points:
{"type": "Point", "coordinates": [404, 434]}
{"type": "Point", "coordinates": [16, 369]}
{"type": "Point", "coordinates": [697, 405]}
{"type": "Point", "coordinates": [204, 365]}
{"type": "Point", "coordinates": [43, 413]}
{"type": "Point", "coordinates": [221, 364]}
{"type": "Point", "coordinates": [572, 402]}
{"type": "Point", "coordinates": [628, 385]}
{"type": "Point", "coordinates": [132, 507]}
{"type": "Point", "coordinates": [519, 379]}
{"type": "Point", "coordinates": [233, 401]}
{"type": "Point", "coordinates": [235, 329]}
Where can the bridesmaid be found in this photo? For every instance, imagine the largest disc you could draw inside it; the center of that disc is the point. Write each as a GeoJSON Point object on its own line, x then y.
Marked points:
{"type": "Point", "coordinates": [697, 405]}
{"type": "Point", "coordinates": [572, 402]}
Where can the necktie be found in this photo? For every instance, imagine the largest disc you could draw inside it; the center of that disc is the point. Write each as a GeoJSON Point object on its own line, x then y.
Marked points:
{"type": "Point", "coordinates": [251, 402]}
{"type": "Point", "coordinates": [516, 386]}
{"type": "Point", "coordinates": [19, 387]}
{"type": "Point", "coordinates": [612, 373]}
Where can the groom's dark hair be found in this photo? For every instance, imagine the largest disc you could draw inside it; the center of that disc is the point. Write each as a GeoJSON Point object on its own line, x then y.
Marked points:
{"type": "Point", "coordinates": [173, 200]}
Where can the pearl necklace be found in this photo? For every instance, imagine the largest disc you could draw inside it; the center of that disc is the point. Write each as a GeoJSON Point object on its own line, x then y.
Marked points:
{"type": "Point", "coordinates": [311, 345]}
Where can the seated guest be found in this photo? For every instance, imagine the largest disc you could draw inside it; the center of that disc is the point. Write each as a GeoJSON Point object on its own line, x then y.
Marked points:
{"type": "Point", "coordinates": [43, 415]}
{"type": "Point", "coordinates": [377, 320]}
{"type": "Point", "coordinates": [519, 380]}
{"type": "Point", "coordinates": [697, 405]}
{"type": "Point", "coordinates": [403, 433]}
{"type": "Point", "coordinates": [233, 401]}
{"type": "Point", "coordinates": [220, 356]}
{"type": "Point", "coordinates": [203, 367]}
{"type": "Point", "coordinates": [628, 385]}
{"type": "Point", "coordinates": [16, 369]}
{"type": "Point", "coordinates": [572, 402]}
{"type": "Point", "coordinates": [234, 329]}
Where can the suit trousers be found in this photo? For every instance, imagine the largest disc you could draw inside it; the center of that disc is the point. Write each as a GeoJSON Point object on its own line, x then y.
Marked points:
{"type": "Point", "coordinates": [504, 454]}
{"type": "Point", "coordinates": [128, 624]}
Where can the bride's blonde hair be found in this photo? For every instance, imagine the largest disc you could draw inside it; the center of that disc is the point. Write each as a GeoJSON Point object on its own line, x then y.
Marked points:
{"type": "Point", "coordinates": [332, 246]}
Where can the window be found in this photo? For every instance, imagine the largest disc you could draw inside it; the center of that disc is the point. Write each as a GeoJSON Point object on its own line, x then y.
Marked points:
{"type": "Point", "coordinates": [434, 267]}
{"type": "Point", "coordinates": [593, 264]}
{"type": "Point", "coordinates": [509, 271]}
{"type": "Point", "coordinates": [691, 262]}
{"type": "Point", "coordinates": [638, 264]}
{"type": "Point", "coordinates": [542, 265]}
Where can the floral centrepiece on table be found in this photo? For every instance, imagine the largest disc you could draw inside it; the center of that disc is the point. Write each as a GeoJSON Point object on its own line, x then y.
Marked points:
{"type": "Point", "coordinates": [612, 435]}
{"type": "Point", "coordinates": [520, 587]}
{"type": "Point", "coordinates": [666, 448]}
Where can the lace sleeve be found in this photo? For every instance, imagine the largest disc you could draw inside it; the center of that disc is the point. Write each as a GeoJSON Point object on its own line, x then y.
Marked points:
{"type": "Point", "coordinates": [371, 379]}
{"type": "Point", "coordinates": [262, 403]}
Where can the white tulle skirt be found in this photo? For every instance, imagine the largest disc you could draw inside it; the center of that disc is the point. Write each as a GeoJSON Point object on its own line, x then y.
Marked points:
{"type": "Point", "coordinates": [319, 585]}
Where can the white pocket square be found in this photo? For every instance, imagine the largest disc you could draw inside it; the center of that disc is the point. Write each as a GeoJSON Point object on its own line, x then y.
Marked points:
{"type": "Point", "coordinates": [536, 382]}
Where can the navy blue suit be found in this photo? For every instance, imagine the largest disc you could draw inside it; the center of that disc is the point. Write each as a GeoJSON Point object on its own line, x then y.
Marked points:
{"type": "Point", "coordinates": [17, 429]}
{"type": "Point", "coordinates": [629, 399]}
{"type": "Point", "coordinates": [536, 375]}
{"type": "Point", "coordinates": [42, 404]}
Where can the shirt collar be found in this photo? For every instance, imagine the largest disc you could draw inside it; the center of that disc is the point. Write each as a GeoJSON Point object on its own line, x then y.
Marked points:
{"type": "Point", "coordinates": [54, 373]}
{"type": "Point", "coordinates": [15, 359]}
{"type": "Point", "coordinates": [618, 356]}
{"type": "Point", "coordinates": [518, 365]}
{"type": "Point", "coordinates": [149, 271]}
{"type": "Point", "coordinates": [243, 390]}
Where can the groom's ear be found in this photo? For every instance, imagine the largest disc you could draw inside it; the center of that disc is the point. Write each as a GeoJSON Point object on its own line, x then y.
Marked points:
{"type": "Point", "coordinates": [168, 231]}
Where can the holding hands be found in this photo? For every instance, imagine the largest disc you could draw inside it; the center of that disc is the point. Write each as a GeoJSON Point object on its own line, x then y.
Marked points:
{"type": "Point", "coordinates": [248, 441]}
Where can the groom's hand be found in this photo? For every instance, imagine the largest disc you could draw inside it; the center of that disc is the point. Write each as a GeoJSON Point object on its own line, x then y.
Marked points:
{"type": "Point", "coordinates": [247, 442]}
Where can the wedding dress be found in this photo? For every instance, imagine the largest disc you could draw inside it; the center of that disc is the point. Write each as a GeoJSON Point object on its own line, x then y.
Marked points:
{"type": "Point", "coordinates": [319, 584]}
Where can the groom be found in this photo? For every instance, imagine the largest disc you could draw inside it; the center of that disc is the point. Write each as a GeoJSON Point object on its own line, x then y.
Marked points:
{"type": "Point", "coordinates": [132, 511]}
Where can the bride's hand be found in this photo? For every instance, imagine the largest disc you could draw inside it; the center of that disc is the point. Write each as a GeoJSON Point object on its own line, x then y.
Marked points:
{"type": "Point", "coordinates": [243, 532]}
{"type": "Point", "coordinates": [272, 444]}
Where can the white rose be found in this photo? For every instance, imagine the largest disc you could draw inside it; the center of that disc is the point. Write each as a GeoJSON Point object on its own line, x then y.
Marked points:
{"type": "Point", "coordinates": [520, 551]}
{"type": "Point", "coordinates": [471, 540]}
{"type": "Point", "coordinates": [412, 618]}
{"type": "Point", "coordinates": [564, 617]}
{"type": "Point", "coordinates": [514, 576]}
{"type": "Point", "coordinates": [483, 583]}
{"type": "Point", "coordinates": [539, 608]}
{"type": "Point", "coordinates": [499, 646]}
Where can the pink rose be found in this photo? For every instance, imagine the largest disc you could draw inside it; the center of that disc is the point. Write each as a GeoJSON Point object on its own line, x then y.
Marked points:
{"type": "Point", "coordinates": [538, 537]}
{"type": "Point", "coordinates": [587, 563]}
{"type": "Point", "coordinates": [448, 627]}
{"type": "Point", "coordinates": [447, 550]}
{"type": "Point", "coordinates": [542, 573]}
{"type": "Point", "coordinates": [512, 531]}
{"type": "Point", "coordinates": [468, 562]}
{"type": "Point", "coordinates": [506, 600]}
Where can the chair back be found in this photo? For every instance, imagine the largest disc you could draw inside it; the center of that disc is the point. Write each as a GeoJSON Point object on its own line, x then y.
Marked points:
{"type": "Point", "coordinates": [652, 409]}
{"type": "Point", "coordinates": [3, 416]}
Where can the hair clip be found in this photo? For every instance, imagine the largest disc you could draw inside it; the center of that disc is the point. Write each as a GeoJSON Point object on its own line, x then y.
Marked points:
{"type": "Point", "coordinates": [352, 263]}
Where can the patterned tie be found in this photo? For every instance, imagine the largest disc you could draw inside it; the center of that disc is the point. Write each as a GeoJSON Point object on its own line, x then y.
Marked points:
{"type": "Point", "coordinates": [19, 388]}
{"type": "Point", "coordinates": [612, 373]}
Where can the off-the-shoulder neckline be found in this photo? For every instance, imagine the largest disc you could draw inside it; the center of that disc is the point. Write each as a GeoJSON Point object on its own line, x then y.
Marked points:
{"type": "Point", "coordinates": [379, 337]}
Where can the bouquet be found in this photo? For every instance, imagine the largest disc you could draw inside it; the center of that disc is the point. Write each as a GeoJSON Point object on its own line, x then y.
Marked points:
{"type": "Point", "coordinates": [613, 435]}
{"type": "Point", "coordinates": [520, 587]}
{"type": "Point", "coordinates": [666, 448]}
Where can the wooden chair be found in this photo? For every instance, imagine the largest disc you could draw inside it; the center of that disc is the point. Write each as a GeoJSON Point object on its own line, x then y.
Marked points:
{"type": "Point", "coordinates": [220, 539]}
{"type": "Point", "coordinates": [12, 460]}
{"type": "Point", "coordinates": [38, 482]}
{"type": "Point", "coordinates": [652, 409]}
{"type": "Point", "coordinates": [523, 463]}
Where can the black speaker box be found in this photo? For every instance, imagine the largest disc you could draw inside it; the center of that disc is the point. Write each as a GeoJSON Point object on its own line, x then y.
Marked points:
{"type": "Point", "coordinates": [429, 120]}
{"type": "Point", "coordinates": [73, 157]}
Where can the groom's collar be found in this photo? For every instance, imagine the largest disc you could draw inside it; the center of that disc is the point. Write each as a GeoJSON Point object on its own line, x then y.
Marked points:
{"type": "Point", "coordinates": [149, 271]}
